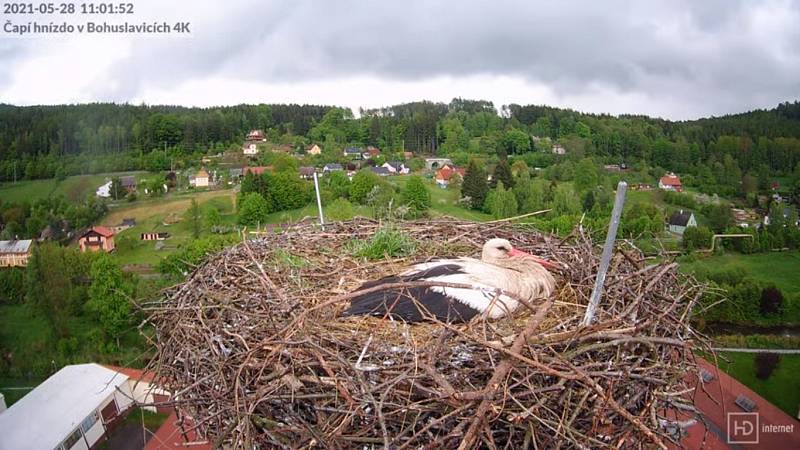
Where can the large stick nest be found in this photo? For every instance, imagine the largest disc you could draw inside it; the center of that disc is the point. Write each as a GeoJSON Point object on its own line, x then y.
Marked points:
{"type": "Point", "coordinates": [255, 353]}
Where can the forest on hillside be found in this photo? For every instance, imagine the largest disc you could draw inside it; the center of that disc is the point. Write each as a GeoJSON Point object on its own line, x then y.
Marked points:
{"type": "Point", "coordinates": [48, 141]}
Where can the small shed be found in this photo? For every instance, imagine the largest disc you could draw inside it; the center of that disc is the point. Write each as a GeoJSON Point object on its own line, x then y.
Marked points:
{"type": "Point", "coordinates": [155, 236]}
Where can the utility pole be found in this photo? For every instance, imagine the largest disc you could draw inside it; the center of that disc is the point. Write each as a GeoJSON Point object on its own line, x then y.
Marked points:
{"type": "Point", "coordinates": [319, 202]}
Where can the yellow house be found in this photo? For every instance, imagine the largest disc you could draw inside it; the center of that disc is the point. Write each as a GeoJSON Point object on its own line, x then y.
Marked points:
{"type": "Point", "coordinates": [313, 149]}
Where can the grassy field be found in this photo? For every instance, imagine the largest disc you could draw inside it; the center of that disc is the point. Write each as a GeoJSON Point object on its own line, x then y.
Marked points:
{"type": "Point", "coordinates": [782, 388]}
{"type": "Point", "coordinates": [444, 202]}
{"type": "Point", "coordinates": [779, 268]}
{"type": "Point", "coordinates": [73, 188]}
{"type": "Point", "coordinates": [150, 216]}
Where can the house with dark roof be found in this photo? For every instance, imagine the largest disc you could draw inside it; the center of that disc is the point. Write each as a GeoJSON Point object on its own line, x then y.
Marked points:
{"type": "Point", "coordinates": [354, 152]}
{"type": "Point", "coordinates": [128, 183]}
{"type": "Point", "coordinates": [679, 221]}
{"type": "Point", "coordinates": [15, 253]}
{"type": "Point", "coordinates": [307, 172]}
{"type": "Point", "coordinates": [380, 171]}
{"type": "Point", "coordinates": [332, 167]}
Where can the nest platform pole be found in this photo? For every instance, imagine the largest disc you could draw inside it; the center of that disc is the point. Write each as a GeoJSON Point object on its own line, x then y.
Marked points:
{"type": "Point", "coordinates": [608, 250]}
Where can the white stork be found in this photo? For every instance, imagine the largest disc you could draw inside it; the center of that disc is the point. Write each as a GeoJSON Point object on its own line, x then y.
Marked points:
{"type": "Point", "coordinates": [501, 267]}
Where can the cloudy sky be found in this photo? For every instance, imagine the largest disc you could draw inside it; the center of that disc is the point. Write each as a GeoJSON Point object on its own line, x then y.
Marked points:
{"type": "Point", "coordinates": [677, 59]}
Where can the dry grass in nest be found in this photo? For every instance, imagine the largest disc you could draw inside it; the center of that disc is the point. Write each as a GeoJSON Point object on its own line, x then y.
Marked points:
{"type": "Point", "coordinates": [254, 349]}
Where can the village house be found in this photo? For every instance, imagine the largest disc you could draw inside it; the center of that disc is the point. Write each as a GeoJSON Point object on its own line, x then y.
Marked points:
{"type": "Point", "coordinates": [104, 190]}
{"type": "Point", "coordinates": [234, 175]}
{"type": "Point", "coordinates": [371, 152]}
{"type": "Point", "coordinates": [446, 173]}
{"type": "Point", "coordinates": [256, 170]}
{"type": "Point", "coordinates": [313, 149]}
{"type": "Point", "coordinates": [124, 225]}
{"type": "Point", "coordinates": [679, 221]}
{"type": "Point", "coordinates": [396, 167]}
{"type": "Point", "coordinates": [250, 148]}
{"type": "Point", "coordinates": [333, 167]}
{"type": "Point", "coordinates": [96, 239]}
{"type": "Point", "coordinates": [15, 253]}
{"type": "Point", "coordinates": [307, 172]}
{"type": "Point", "coordinates": [641, 187]}
{"type": "Point", "coordinates": [670, 182]}
{"type": "Point", "coordinates": [559, 150]}
{"type": "Point", "coordinates": [354, 152]}
{"type": "Point", "coordinates": [201, 179]}
{"type": "Point", "coordinates": [408, 155]}
{"type": "Point", "coordinates": [128, 183]}
{"type": "Point", "coordinates": [71, 410]}
{"type": "Point", "coordinates": [283, 148]}
{"type": "Point", "coordinates": [380, 171]}
{"type": "Point", "coordinates": [256, 135]}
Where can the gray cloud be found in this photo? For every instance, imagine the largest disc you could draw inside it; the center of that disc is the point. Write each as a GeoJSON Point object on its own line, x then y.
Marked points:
{"type": "Point", "coordinates": [716, 56]}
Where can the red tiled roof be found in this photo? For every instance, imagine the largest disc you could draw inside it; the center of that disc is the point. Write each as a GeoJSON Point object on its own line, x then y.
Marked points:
{"type": "Point", "coordinates": [716, 398]}
{"type": "Point", "coordinates": [254, 170]}
{"type": "Point", "coordinates": [446, 172]}
{"type": "Point", "coordinates": [102, 231]}
{"type": "Point", "coordinates": [133, 374]}
{"type": "Point", "coordinates": [670, 180]}
{"type": "Point", "coordinates": [171, 437]}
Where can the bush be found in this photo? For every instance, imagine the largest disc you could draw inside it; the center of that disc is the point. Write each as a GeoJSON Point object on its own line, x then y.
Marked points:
{"type": "Point", "coordinates": [191, 255]}
{"type": "Point", "coordinates": [766, 363]}
{"type": "Point", "coordinates": [771, 301]}
{"type": "Point", "coordinates": [695, 238]}
{"type": "Point", "coordinates": [340, 209]}
{"type": "Point", "coordinates": [386, 242]}
{"type": "Point", "coordinates": [416, 195]}
{"type": "Point", "coordinates": [253, 209]}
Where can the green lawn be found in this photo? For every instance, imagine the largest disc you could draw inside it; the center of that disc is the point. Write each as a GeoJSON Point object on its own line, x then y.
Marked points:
{"type": "Point", "coordinates": [779, 268]}
{"type": "Point", "coordinates": [444, 202]}
{"type": "Point", "coordinates": [150, 216]}
{"type": "Point", "coordinates": [14, 389]}
{"type": "Point", "coordinates": [782, 388]}
{"type": "Point", "coordinates": [74, 188]}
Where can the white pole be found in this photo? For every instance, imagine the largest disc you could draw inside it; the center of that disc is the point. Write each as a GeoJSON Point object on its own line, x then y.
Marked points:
{"type": "Point", "coordinates": [319, 202]}
{"type": "Point", "coordinates": [608, 249]}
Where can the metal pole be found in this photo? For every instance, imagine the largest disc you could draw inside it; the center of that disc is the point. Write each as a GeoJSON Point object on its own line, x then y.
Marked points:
{"type": "Point", "coordinates": [608, 249]}
{"type": "Point", "coordinates": [319, 202]}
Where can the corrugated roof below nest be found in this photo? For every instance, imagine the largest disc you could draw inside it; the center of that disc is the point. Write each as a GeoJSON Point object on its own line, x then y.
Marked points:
{"type": "Point", "coordinates": [255, 343]}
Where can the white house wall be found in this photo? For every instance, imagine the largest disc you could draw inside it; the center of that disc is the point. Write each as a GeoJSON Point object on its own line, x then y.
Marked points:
{"type": "Point", "coordinates": [96, 432]}
{"type": "Point", "coordinates": [143, 393]}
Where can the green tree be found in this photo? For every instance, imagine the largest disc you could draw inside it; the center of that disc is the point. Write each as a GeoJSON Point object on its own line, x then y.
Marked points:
{"type": "Point", "coordinates": [362, 185]}
{"type": "Point", "coordinates": [474, 186]}
{"type": "Point", "coordinates": [502, 173]}
{"type": "Point", "coordinates": [213, 218]}
{"type": "Point", "coordinates": [339, 209]}
{"type": "Point", "coordinates": [586, 176]}
{"type": "Point", "coordinates": [338, 184]}
{"type": "Point", "coordinates": [117, 191]}
{"type": "Point", "coordinates": [720, 217]}
{"type": "Point", "coordinates": [501, 203]}
{"type": "Point", "coordinates": [194, 217]}
{"type": "Point", "coordinates": [253, 209]}
{"type": "Point", "coordinates": [109, 296]}
{"type": "Point", "coordinates": [517, 141]}
{"type": "Point", "coordinates": [416, 195]}
{"type": "Point", "coordinates": [565, 202]}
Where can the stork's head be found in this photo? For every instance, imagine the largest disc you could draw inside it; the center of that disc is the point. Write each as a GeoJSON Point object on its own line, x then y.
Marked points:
{"type": "Point", "coordinates": [497, 251]}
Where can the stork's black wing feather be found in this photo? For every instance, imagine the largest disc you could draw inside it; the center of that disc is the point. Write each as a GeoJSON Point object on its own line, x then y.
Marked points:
{"type": "Point", "coordinates": [413, 304]}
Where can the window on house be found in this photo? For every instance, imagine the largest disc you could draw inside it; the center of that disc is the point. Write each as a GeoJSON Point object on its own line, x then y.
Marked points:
{"type": "Point", "coordinates": [72, 439]}
{"type": "Point", "coordinates": [89, 422]}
